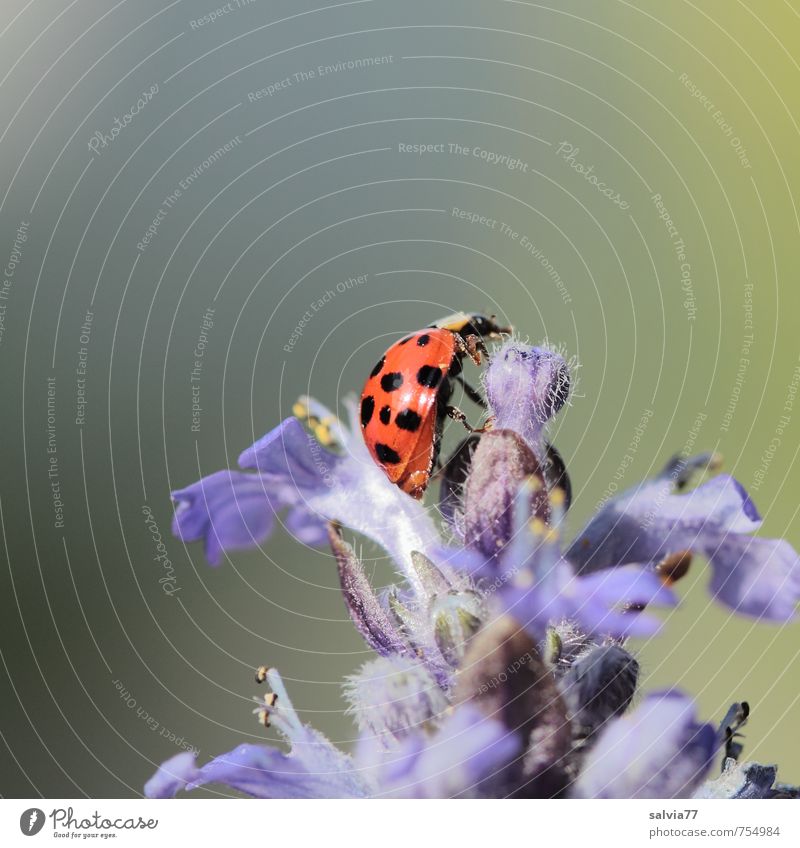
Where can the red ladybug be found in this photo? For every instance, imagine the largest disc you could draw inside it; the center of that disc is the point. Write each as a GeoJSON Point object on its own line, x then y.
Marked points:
{"type": "Point", "coordinates": [405, 398]}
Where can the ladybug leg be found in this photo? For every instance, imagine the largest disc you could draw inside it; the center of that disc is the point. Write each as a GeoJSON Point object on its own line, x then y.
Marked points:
{"type": "Point", "coordinates": [471, 393]}
{"type": "Point", "coordinates": [457, 415]}
{"type": "Point", "coordinates": [475, 347]}
{"type": "Point", "coordinates": [470, 346]}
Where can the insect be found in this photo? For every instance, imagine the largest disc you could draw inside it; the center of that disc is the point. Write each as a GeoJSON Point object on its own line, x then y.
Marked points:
{"type": "Point", "coordinates": [406, 396]}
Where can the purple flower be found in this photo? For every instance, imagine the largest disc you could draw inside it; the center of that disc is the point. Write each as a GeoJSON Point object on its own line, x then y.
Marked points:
{"type": "Point", "coordinates": [313, 768]}
{"type": "Point", "coordinates": [525, 387]}
{"type": "Point", "coordinates": [392, 698]}
{"type": "Point", "coordinates": [232, 510]}
{"type": "Point", "coordinates": [659, 750]}
{"type": "Point", "coordinates": [501, 666]}
{"type": "Point", "coordinates": [758, 577]}
{"type": "Point", "coordinates": [463, 759]}
{"type": "Point", "coordinates": [454, 760]}
{"type": "Point", "coordinates": [531, 580]}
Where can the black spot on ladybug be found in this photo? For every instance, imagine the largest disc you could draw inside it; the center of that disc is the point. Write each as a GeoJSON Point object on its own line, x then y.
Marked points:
{"type": "Point", "coordinates": [385, 415]}
{"type": "Point", "coordinates": [377, 369]}
{"type": "Point", "coordinates": [386, 455]}
{"type": "Point", "coordinates": [367, 408]}
{"type": "Point", "coordinates": [391, 381]}
{"type": "Point", "coordinates": [423, 340]}
{"type": "Point", "coordinates": [429, 376]}
{"type": "Point", "coordinates": [406, 340]}
{"type": "Point", "coordinates": [408, 420]}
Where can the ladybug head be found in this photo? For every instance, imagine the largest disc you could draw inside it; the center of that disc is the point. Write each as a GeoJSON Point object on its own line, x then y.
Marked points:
{"type": "Point", "coordinates": [474, 324]}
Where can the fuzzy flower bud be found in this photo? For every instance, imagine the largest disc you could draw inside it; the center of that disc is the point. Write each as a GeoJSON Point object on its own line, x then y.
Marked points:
{"type": "Point", "coordinates": [526, 386]}
{"type": "Point", "coordinates": [502, 462]}
{"type": "Point", "coordinates": [599, 685]}
{"type": "Point", "coordinates": [506, 678]}
{"type": "Point", "coordinates": [393, 696]}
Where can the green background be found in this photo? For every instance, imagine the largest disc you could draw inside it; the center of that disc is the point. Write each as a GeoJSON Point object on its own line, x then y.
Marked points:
{"type": "Point", "coordinates": [317, 191]}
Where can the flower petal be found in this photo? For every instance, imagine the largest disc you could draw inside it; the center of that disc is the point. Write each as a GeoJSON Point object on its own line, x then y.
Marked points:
{"type": "Point", "coordinates": [172, 776]}
{"type": "Point", "coordinates": [657, 751]}
{"type": "Point", "coordinates": [757, 577]}
{"type": "Point", "coordinates": [646, 524]}
{"type": "Point", "coordinates": [269, 773]}
{"type": "Point", "coordinates": [460, 760]}
{"type": "Point", "coordinates": [291, 454]}
{"type": "Point", "coordinates": [228, 509]}
{"type": "Point", "coordinates": [235, 510]}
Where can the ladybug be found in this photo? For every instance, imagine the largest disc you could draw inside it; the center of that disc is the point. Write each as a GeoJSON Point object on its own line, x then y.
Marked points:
{"type": "Point", "coordinates": [406, 396]}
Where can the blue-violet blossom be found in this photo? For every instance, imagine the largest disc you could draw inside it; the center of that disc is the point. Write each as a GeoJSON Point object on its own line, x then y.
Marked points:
{"type": "Point", "coordinates": [502, 667]}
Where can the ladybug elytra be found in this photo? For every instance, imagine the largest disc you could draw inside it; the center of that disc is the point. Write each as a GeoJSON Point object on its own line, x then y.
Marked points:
{"type": "Point", "coordinates": [406, 396]}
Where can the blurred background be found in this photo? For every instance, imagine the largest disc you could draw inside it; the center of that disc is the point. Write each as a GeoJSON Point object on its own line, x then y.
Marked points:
{"type": "Point", "coordinates": [210, 210]}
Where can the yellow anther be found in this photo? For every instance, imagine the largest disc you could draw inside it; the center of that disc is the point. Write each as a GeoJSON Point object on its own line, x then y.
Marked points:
{"type": "Point", "coordinates": [551, 536]}
{"type": "Point", "coordinates": [323, 433]}
{"type": "Point", "coordinates": [558, 497]}
{"type": "Point", "coordinates": [533, 484]}
{"type": "Point", "coordinates": [538, 527]}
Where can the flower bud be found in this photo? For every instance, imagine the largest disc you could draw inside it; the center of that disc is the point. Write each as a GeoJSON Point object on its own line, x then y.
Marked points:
{"type": "Point", "coordinates": [455, 616]}
{"type": "Point", "coordinates": [502, 462]}
{"type": "Point", "coordinates": [393, 696]}
{"type": "Point", "coordinates": [525, 387]}
{"type": "Point", "coordinates": [506, 678]}
{"type": "Point", "coordinates": [362, 603]}
{"type": "Point", "coordinates": [599, 685]}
